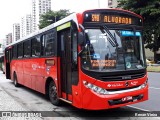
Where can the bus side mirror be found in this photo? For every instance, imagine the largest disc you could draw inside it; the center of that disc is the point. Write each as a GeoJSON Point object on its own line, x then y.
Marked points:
{"type": "Point", "coordinates": [80, 38]}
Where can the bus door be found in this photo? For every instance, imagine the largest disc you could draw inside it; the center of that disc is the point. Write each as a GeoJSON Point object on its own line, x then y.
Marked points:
{"type": "Point", "coordinates": [8, 61]}
{"type": "Point", "coordinates": [67, 71]}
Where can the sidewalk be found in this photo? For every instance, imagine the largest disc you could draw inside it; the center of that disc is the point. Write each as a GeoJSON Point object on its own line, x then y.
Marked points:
{"type": "Point", "coordinates": [10, 109]}
{"type": "Point", "coordinates": [7, 103]}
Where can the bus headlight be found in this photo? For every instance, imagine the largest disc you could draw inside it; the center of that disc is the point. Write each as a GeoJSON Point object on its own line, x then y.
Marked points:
{"type": "Point", "coordinates": [95, 88]}
{"type": "Point", "coordinates": [144, 84]}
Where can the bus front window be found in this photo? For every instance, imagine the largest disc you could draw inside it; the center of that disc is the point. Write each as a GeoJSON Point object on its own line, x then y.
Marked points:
{"type": "Point", "coordinates": [103, 53]}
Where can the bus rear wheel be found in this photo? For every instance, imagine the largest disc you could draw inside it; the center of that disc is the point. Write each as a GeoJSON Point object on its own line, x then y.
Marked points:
{"type": "Point", "coordinates": [53, 96]}
{"type": "Point", "coordinates": [16, 84]}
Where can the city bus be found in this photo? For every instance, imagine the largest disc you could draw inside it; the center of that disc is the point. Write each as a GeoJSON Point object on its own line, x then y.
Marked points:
{"type": "Point", "coordinates": [92, 60]}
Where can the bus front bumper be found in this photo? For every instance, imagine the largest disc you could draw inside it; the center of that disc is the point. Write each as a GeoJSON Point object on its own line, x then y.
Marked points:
{"type": "Point", "coordinates": [94, 101]}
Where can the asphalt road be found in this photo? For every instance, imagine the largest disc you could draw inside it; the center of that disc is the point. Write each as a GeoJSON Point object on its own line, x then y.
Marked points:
{"type": "Point", "coordinates": [34, 101]}
{"type": "Point", "coordinates": [153, 104]}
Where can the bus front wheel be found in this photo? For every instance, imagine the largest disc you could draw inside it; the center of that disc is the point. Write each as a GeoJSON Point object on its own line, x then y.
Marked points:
{"type": "Point", "coordinates": [53, 94]}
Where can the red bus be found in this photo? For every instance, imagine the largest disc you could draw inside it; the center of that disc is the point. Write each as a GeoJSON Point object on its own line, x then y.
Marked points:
{"type": "Point", "coordinates": [93, 60]}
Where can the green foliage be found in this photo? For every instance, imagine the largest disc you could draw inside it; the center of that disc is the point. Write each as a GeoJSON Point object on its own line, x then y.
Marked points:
{"type": "Point", "coordinates": [150, 11]}
{"type": "Point", "coordinates": [51, 17]}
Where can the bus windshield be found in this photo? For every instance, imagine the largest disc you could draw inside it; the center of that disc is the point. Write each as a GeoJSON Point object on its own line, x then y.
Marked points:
{"type": "Point", "coordinates": [113, 50]}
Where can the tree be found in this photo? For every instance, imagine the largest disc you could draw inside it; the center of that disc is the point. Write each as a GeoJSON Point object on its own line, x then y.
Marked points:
{"type": "Point", "coordinates": [150, 11]}
{"type": "Point", "coordinates": [51, 17]}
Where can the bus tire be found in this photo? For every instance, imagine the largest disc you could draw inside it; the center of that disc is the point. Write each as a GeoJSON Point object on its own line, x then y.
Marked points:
{"type": "Point", "coordinates": [53, 96]}
{"type": "Point", "coordinates": [15, 81]}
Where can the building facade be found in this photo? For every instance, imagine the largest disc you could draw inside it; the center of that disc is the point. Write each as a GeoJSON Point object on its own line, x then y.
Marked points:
{"type": "Point", "coordinates": [8, 38]}
{"type": "Point", "coordinates": [16, 32]}
{"type": "Point", "coordinates": [39, 7]}
{"type": "Point", "coordinates": [26, 25]}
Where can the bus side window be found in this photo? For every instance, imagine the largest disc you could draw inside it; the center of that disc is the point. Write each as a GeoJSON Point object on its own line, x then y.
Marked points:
{"type": "Point", "coordinates": [74, 49]}
{"type": "Point", "coordinates": [20, 50]}
{"type": "Point", "coordinates": [49, 40]}
{"type": "Point", "coordinates": [14, 51]}
{"type": "Point", "coordinates": [27, 48]}
{"type": "Point", "coordinates": [42, 45]}
{"type": "Point", "coordinates": [36, 46]}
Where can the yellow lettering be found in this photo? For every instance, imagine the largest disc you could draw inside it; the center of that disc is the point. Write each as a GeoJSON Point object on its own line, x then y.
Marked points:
{"type": "Point", "coordinates": [105, 18]}
{"type": "Point", "coordinates": [95, 17]}
{"type": "Point", "coordinates": [120, 19]}
{"type": "Point", "coordinates": [113, 19]}
{"type": "Point", "coordinates": [109, 19]}
{"type": "Point", "coordinates": [126, 21]}
{"type": "Point", "coordinates": [123, 20]}
{"type": "Point", "coordinates": [116, 20]}
{"type": "Point", "coordinates": [130, 21]}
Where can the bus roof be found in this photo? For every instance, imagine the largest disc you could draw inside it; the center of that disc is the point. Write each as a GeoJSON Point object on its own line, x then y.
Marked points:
{"type": "Point", "coordinates": [60, 22]}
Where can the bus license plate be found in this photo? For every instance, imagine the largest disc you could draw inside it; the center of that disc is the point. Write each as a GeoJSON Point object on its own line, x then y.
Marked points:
{"type": "Point", "coordinates": [128, 98]}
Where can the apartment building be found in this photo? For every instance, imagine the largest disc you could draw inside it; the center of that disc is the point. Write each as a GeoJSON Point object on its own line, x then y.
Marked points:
{"type": "Point", "coordinates": [8, 38]}
{"type": "Point", "coordinates": [16, 32]}
{"type": "Point", "coordinates": [26, 25]}
{"type": "Point", "coordinates": [39, 7]}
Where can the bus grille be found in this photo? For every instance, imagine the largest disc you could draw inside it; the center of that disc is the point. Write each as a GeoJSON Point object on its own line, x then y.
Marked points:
{"type": "Point", "coordinates": [122, 77]}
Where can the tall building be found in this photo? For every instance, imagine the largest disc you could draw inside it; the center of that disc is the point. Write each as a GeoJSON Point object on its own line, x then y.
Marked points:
{"type": "Point", "coordinates": [39, 7]}
{"type": "Point", "coordinates": [8, 38]}
{"type": "Point", "coordinates": [112, 3]}
{"type": "Point", "coordinates": [16, 32]}
{"type": "Point", "coordinates": [26, 25]}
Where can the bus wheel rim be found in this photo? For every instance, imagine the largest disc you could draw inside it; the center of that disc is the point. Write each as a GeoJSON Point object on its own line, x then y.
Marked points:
{"type": "Point", "coordinates": [53, 92]}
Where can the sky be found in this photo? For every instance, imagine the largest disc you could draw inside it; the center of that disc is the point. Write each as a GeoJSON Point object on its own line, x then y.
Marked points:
{"type": "Point", "coordinates": [11, 11]}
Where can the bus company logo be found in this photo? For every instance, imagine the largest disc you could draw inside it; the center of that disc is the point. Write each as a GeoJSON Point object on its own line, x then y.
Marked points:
{"type": "Point", "coordinates": [126, 84]}
{"type": "Point", "coordinates": [134, 83]}
{"type": "Point", "coordinates": [115, 85]}
{"type": "Point", "coordinates": [109, 85]}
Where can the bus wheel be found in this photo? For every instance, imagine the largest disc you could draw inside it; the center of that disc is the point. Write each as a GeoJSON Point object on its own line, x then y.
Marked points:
{"type": "Point", "coordinates": [53, 94]}
{"type": "Point", "coordinates": [15, 81]}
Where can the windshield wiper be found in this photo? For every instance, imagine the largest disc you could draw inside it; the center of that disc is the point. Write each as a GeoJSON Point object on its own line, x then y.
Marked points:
{"type": "Point", "coordinates": [113, 39]}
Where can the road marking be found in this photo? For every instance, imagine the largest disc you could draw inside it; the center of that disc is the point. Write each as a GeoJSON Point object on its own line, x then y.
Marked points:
{"type": "Point", "coordinates": [154, 88]}
{"type": "Point", "coordinates": [138, 108]}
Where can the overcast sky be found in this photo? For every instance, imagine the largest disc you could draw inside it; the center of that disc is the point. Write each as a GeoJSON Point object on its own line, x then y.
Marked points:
{"type": "Point", "coordinates": [11, 11]}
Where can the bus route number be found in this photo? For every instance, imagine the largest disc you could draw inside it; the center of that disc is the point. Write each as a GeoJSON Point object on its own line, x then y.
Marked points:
{"type": "Point", "coordinates": [95, 17]}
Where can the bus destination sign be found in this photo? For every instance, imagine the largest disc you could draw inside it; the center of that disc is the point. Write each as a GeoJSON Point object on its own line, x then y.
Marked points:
{"type": "Point", "coordinates": [112, 18]}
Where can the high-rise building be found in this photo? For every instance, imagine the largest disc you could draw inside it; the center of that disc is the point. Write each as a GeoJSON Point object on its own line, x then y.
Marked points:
{"type": "Point", "coordinates": [112, 3]}
{"type": "Point", "coordinates": [39, 7]}
{"type": "Point", "coordinates": [26, 25]}
{"type": "Point", "coordinates": [8, 38]}
{"type": "Point", "coordinates": [16, 32]}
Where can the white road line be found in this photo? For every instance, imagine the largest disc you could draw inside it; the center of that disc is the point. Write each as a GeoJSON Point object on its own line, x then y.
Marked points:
{"type": "Point", "coordinates": [138, 108]}
{"type": "Point", "coordinates": [154, 88]}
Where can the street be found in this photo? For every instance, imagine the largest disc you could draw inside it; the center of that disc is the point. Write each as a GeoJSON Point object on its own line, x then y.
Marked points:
{"type": "Point", "coordinates": [24, 99]}
{"type": "Point", "coordinates": [154, 97]}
